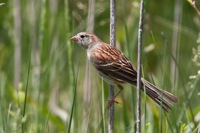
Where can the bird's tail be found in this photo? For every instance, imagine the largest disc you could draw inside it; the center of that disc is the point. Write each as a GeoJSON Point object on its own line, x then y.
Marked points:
{"type": "Point", "coordinates": [163, 98]}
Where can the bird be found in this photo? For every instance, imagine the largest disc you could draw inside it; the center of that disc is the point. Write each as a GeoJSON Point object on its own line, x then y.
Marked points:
{"type": "Point", "coordinates": [115, 68]}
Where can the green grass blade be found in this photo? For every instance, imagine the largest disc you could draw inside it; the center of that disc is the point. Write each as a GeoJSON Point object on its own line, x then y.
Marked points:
{"type": "Point", "coordinates": [26, 88]}
{"type": "Point", "coordinates": [74, 101]}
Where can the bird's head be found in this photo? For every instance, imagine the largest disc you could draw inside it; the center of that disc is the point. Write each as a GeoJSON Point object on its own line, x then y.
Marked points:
{"type": "Point", "coordinates": [85, 39]}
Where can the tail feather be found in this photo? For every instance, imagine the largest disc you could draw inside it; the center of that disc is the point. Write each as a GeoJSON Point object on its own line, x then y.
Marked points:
{"type": "Point", "coordinates": [163, 98]}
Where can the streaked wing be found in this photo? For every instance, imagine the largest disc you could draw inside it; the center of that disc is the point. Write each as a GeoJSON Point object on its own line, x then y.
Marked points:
{"type": "Point", "coordinates": [113, 64]}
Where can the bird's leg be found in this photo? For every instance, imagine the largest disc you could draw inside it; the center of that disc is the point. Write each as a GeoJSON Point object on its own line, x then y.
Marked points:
{"type": "Point", "coordinates": [111, 101]}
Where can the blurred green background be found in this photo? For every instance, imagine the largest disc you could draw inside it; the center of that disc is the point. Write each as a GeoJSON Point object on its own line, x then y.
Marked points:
{"type": "Point", "coordinates": [47, 85]}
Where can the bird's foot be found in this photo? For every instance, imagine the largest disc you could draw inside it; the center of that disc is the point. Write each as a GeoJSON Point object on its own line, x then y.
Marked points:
{"type": "Point", "coordinates": [112, 101]}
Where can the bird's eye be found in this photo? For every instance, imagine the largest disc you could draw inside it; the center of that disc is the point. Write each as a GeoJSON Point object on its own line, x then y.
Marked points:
{"type": "Point", "coordinates": [82, 36]}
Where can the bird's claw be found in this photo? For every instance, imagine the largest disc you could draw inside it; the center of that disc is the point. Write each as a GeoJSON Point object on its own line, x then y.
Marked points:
{"type": "Point", "coordinates": [112, 101]}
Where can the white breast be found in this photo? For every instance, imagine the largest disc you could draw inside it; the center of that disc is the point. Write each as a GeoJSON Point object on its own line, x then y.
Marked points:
{"type": "Point", "coordinates": [90, 52]}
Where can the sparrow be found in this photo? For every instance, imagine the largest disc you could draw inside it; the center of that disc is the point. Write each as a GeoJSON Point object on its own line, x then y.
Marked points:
{"type": "Point", "coordinates": [116, 69]}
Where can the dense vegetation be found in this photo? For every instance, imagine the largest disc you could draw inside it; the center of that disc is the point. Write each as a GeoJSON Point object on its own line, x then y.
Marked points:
{"type": "Point", "coordinates": [47, 86]}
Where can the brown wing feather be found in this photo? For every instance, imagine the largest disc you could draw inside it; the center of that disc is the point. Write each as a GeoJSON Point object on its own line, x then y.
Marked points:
{"type": "Point", "coordinates": [113, 63]}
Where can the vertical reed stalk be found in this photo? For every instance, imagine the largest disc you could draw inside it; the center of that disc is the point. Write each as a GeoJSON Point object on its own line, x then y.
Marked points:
{"type": "Point", "coordinates": [175, 41]}
{"type": "Point", "coordinates": [112, 43]}
{"type": "Point", "coordinates": [17, 42]}
{"type": "Point", "coordinates": [138, 122]}
{"type": "Point", "coordinates": [87, 80]}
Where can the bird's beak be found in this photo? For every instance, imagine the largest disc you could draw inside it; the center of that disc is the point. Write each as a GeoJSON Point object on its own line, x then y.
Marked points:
{"type": "Point", "coordinates": [74, 38]}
